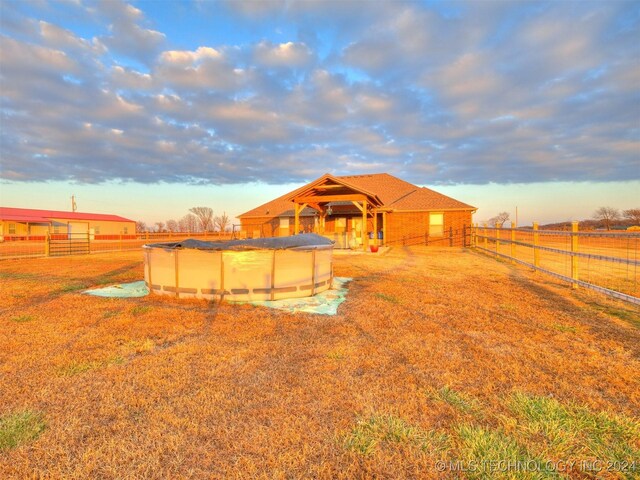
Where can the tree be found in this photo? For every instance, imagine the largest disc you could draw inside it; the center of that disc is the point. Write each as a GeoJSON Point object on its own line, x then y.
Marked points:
{"type": "Point", "coordinates": [205, 215]}
{"type": "Point", "coordinates": [222, 222]}
{"type": "Point", "coordinates": [172, 225]}
{"type": "Point", "coordinates": [633, 215]}
{"type": "Point", "coordinates": [607, 215]}
{"type": "Point", "coordinates": [499, 219]}
{"type": "Point", "coordinates": [141, 226]}
{"type": "Point", "coordinates": [160, 227]}
{"type": "Point", "coordinates": [188, 223]}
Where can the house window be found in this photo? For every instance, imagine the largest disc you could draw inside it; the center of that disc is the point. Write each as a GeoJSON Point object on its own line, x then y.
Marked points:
{"type": "Point", "coordinates": [284, 222]}
{"type": "Point", "coordinates": [96, 230]}
{"type": "Point", "coordinates": [436, 224]}
{"type": "Point", "coordinates": [56, 229]}
{"type": "Point", "coordinates": [12, 229]}
{"type": "Point", "coordinates": [126, 230]}
{"type": "Point", "coordinates": [340, 224]}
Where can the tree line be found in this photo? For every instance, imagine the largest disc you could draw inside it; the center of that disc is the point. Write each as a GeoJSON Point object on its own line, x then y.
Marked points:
{"type": "Point", "coordinates": [603, 217]}
{"type": "Point", "coordinates": [199, 219]}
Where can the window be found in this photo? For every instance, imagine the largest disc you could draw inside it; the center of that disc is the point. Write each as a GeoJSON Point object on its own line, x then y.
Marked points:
{"type": "Point", "coordinates": [284, 222]}
{"type": "Point", "coordinates": [126, 230]}
{"type": "Point", "coordinates": [12, 229]}
{"type": "Point", "coordinates": [96, 230]}
{"type": "Point", "coordinates": [436, 224]}
{"type": "Point", "coordinates": [56, 229]}
{"type": "Point", "coordinates": [340, 224]}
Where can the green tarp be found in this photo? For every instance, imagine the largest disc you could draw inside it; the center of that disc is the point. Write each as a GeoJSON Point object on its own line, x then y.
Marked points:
{"type": "Point", "coordinates": [122, 290]}
{"type": "Point", "coordinates": [325, 303]}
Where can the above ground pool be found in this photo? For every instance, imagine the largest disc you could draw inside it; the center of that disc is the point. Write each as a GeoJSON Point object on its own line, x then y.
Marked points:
{"type": "Point", "coordinates": [241, 270]}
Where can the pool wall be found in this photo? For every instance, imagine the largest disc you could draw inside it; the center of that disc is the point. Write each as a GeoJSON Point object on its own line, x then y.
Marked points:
{"type": "Point", "coordinates": [247, 275]}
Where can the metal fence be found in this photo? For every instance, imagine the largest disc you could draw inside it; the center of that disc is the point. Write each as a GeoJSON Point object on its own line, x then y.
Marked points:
{"type": "Point", "coordinates": [604, 261]}
{"type": "Point", "coordinates": [84, 243]}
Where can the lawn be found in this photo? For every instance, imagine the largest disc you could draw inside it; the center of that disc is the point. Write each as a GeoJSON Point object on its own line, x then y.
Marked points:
{"type": "Point", "coordinates": [441, 363]}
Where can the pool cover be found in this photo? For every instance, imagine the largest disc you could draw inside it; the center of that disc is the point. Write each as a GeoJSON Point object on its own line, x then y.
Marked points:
{"type": "Point", "coordinates": [275, 243]}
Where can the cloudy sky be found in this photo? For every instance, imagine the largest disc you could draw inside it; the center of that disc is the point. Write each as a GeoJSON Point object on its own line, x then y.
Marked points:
{"type": "Point", "coordinates": [145, 109]}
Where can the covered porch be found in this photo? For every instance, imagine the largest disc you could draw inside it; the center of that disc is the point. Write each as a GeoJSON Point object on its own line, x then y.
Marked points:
{"type": "Point", "coordinates": [342, 211]}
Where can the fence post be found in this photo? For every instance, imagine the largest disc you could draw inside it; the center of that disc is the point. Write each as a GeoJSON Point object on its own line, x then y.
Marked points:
{"type": "Point", "coordinates": [486, 240]}
{"type": "Point", "coordinates": [513, 242]}
{"type": "Point", "coordinates": [47, 245]}
{"type": "Point", "coordinates": [451, 236]}
{"type": "Point", "coordinates": [574, 250]}
{"type": "Point", "coordinates": [464, 236]}
{"type": "Point", "coordinates": [536, 242]}
{"type": "Point", "coordinates": [498, 227]}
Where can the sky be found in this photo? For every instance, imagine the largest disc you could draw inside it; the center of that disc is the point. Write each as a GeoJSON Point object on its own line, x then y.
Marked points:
{"type": "Point", "coordinates": [146, 109]}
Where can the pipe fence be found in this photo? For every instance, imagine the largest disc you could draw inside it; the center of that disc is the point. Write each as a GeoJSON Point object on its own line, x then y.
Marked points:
{"type": "Point", "coordinates": [607, 262]}
{"type": "Point", "coordinates": [82, 243]}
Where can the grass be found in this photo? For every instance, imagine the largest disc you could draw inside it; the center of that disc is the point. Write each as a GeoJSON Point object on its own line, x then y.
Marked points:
{"type": "Point", "coordinates": [458, 400]}
{"type": "Point", "coordinates": [140, 310]}
{"type": "Point", "coordinates": [384, 430]}
{"type": "Point", "coordinates": [19, 428]}
{"type": "Point", "coordinates": [387, 298]}
{"type": "Point", "coordinates": [155, 387]}
{"type": "Point", "coordinates": [23, 318]}
{"type": "Point", "coordinates": [573, 431]}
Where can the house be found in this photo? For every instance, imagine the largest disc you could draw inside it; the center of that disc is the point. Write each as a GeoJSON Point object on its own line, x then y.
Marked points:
{"type": "Point", "coordinates": [355, 210]}
{"type": "Point", "coordinates": [30, 224]}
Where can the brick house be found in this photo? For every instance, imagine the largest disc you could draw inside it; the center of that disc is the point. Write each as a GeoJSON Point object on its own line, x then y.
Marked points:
{"type": "Point", "coordinates": [356, 210]}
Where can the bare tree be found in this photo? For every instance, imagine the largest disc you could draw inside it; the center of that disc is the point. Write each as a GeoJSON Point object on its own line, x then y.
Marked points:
{"type": "Point", "coordinates": [633, 215]}
{"type": "Point", "coordinates": [189, 223]}
{"type": "Point", "coordinates": [160, 227]}
{"type": "Point", "coordinates": [499, 219]}
{"type": "Point", "coordinates": [222, 222]}
{"type": "Point", "coordinates": [607, 215]}
{"type": "Point", "coordinates": [205, 215]}
{"type": "Point", "coordinates": [172, 225]}
{"type": "Point", "coordinates": [141, 226]}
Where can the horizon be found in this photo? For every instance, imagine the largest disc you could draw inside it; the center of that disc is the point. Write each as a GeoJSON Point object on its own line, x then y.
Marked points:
{"type": "Point", "coordinates": [146, 109]}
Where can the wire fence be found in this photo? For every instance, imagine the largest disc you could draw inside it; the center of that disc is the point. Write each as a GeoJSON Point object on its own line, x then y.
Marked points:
{"type": "Point", "coordinates": [84, 243]}
{"type": "Point", "coordinates": [604, 261]}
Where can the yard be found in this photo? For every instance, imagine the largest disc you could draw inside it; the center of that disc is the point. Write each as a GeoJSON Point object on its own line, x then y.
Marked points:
{"type": "Point", "coordinates": [442, 363]}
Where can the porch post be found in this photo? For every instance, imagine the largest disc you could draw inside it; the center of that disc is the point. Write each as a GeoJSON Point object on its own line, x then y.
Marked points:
{"type": "Point", "coordinates": [296, 227]}
{"type": "Point", "coordinates": [365, 235]}
{"type": "Point", "coordinates": [375, 227]}
{"type": "Point", "coordinates": [384, 228]}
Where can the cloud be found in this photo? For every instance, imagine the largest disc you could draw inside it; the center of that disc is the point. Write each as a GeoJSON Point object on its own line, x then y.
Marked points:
{"type": "Point", "coordinates": [466, 92]}
{"type": "Point", "coordinates": [287, 54]}
{"type": "Point", "coordinates": [126, 36]}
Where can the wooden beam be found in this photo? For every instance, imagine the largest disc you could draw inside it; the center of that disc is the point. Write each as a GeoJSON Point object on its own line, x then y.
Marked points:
{"type": "Point", "coordinates": [384, 228]}
{"type": "Point", "coordinates": [375, 227]}
{"type": "Point", "coordinates": [296, 223]}
{"type": "Point", "coordinates": [358, 205]}
{"type": "Point", "coordinates": [330, 198]}
{"type": "Point", "coordinates": [365, 236]}
{"type": "Point", "coordinates": [327, 187]}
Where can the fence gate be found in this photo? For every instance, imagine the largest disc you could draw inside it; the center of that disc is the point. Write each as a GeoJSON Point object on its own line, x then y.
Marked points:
{"type": "Point", "coordinates": [72, 244]}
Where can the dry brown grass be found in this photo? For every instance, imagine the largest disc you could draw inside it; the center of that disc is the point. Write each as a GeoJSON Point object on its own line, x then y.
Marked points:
{"type": "Point", "coordinates": [436, 354]}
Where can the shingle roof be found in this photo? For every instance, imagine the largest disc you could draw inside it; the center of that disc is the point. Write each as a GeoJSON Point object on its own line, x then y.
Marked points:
{"type": "Point", "coordinates": [32, 215]}
{"type": "Point", "coordinates": [394, 193]}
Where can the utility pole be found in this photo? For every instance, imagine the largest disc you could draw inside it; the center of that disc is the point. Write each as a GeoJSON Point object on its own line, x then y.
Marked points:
{"type": "Point", "coordinates": [74, 207]}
